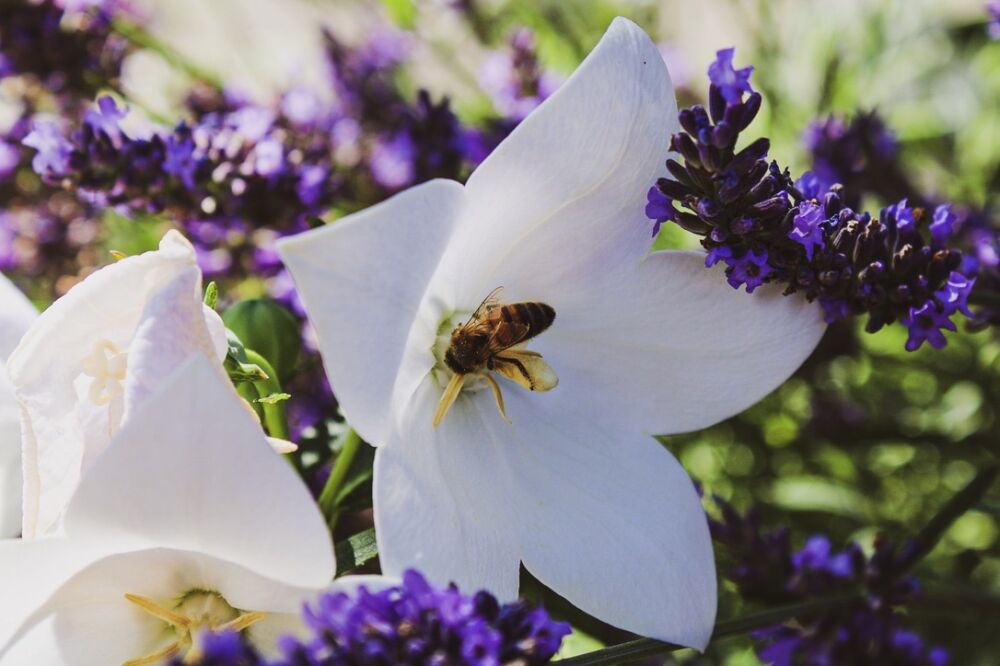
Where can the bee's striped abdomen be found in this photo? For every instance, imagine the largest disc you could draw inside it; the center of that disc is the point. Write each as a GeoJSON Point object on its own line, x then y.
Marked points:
{"type": "Point", "coordinates": [521, 321]}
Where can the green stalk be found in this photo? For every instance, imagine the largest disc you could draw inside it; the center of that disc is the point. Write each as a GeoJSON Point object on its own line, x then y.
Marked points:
{"type": "Point", "coordinates": [328, 497]}
{"type": "Point", "coordinates": [142, 38]}
{"type": "Point", "coordinates": [274, 414]}
{"type": "Point", "coordinates": [643, 648]}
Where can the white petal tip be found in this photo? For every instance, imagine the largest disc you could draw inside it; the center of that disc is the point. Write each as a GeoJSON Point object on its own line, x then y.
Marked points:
{"type": "Point", "coordinates": [282, 445]}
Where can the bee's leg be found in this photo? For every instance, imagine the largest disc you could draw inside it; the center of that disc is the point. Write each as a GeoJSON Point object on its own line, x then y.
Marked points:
{"type": "Point", "coordinates": [497, 394]}
{"type": "Point", "coordinates": [448, 397]}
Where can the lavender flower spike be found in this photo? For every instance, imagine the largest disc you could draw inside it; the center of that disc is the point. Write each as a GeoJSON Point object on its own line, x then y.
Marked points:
{"type": "Point", "coordinates": [369, 620]}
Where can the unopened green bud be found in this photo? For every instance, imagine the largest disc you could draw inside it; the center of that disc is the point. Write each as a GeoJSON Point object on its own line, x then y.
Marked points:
{"type": "Point", "coordinates": [269, 329]}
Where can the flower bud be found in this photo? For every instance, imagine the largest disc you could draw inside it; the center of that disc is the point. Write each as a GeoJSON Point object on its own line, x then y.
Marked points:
{"type": "Point", "coordinates": [269, 329]}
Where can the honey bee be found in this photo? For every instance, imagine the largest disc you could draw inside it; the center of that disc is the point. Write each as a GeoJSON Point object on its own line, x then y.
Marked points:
{"type": "Point", "coordinates": [491, 341]}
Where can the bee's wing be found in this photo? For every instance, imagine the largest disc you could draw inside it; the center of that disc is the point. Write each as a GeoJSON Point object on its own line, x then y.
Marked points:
{"type": "Point", "coordinates": [507, 335]}
{"type": "Point", "coordinates": [527, 368]}
{"type": "Point", "coordinates": [491, 299]}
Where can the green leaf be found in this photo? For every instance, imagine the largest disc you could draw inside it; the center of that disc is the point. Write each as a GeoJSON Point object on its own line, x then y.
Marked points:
{"type": "Point", "coordinates": [243, 372]}
{"type": "Point", "coordinates": [237, 364]}
{"type": "Point", "coordinates": [356, 551]}
{"type": "Point", "coordinates": [274, 398]}
{"type": "Point", "coordinates": [402, 12]}
{"type": "Point", "coordinates": [211, 295]}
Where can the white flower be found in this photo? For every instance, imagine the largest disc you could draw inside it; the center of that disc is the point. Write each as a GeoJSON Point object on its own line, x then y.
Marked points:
{"type": "Point", "coordinates": [93, 356]}
{"type": "Point", "coordinates": [188, 522]}
{"type": "Point", "coordinates": [575, 487]}
{"type": "Point", "coordinates": [16, 315]}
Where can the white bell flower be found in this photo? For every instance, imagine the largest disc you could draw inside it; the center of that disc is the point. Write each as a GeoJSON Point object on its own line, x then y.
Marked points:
{"type": "Point", "coordinates": [16, 315]}
{"type": "Point", "coordinates": [93, 356]}
{"type": "Point", "coordinates": [187, 523]}
{"type": "Point", "coordinates": [574, 487]}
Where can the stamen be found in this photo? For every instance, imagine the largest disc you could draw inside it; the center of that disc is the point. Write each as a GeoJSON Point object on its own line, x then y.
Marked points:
{"type": "Point", "coordinates": [156, 657]}
{"type": "Point", "coordinates": [199, 611]}
{"type": "Point", "coordinates": [497, 394]}
{"type": "Point", "coordinates": [243, 621]}
{"type": "Point", "coordinates": [448, 399]}
{"type": "Point", "coordinates": [160, 612]}
{"type": "Point", "coordinates": [107, 365]}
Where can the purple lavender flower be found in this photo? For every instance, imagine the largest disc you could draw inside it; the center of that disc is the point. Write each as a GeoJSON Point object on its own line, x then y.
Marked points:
{"type": "Point", "coordinates": [943, 225]}
{"type": "Point", "coordinates": [731, 82]}
{"type": "Point", "coordinates": [955, 295]}
{"type": "Point", "coordinates": [806, 229]}
{"type": "Point", "coordinates": [750, 270]}
{"type": "Point", "coordinates": [993, 27]}
{"type": "Point", "coordinates": [861, 154]}
{"type": "Point", "coordinates": [52, 158]}
{"type": "Point", "coordinates": [74, 58]}
{"type": "Point", "coordinates": [413, 623]}
{"type": "Point", "coordinates": [903, 214]}
{"type": "Point", "coordinates": [804, 235]}
{"type": "Point", "coordinates": [867, 631]}
{"type": "Point", "coordinates": [106, 117]}
{"type": "Point", "coordinates": [301, 107]}
{"type": "Point", "coordinates": [179, 160]}
{"type": "Point", "coordinates": [514, 80]}
{"type": "Point", "coordinates": [925, 323]}
{"type": "Point", "coordinates": [392, 161]}
{"type": "Point", "coordinates": [269, 157]}
{"type": "Point", "coordinates": [717, 254]}
{"type": "Point", "coordinates": [810, 186]}
{"type": "Point", "coordinates": [660, 208]}
{"type": "Point", "coordinates": [10, 158]}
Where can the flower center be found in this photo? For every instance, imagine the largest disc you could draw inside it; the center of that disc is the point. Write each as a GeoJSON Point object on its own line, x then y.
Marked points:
{"type": "Point", "coordinates": [491, 340]}
{"type": "Point", "coordinates": [197, 612]}
{"type": "Point", "coordinates": [106, 366]}
{"type": "Point", "coordinates": [441, 372]}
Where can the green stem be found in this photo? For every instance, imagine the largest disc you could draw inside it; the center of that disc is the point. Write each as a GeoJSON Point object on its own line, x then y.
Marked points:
{"type": "Point", "coordinates": [643, 648]}
{"type": "Point", "coordinates": [328, 497]}
{"type": "Point", "coordinates": [274, 414]}
{"type": "Point", "coordinates": [146, 40]}
{"type": "Point", "coordinates": [985, 298]}
{"type": "Point", "coordinates": [962, 501]}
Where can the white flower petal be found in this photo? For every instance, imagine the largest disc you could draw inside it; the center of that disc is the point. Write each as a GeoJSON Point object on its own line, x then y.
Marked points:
{"type": "Point", "coordinates": [610, 521]}
{"type": "Point", "coordinates": [362, 279]}
{"type": "Point", "coordinates": [607, 519]}
{"type": "Point", "coordinates": [667, 346]}
{"type": "Point", "coordinates": [62, 432]}
{"type": "Point", "coordinates": [35, 569]}
{"type": "Point", "coordinates": [16, 316]}
{"type": "Point", "coordinates": [576, 170]}
{"type": "Point", "coordinates": [265, 634]}
{"type": "Point", "coordinates": [88, 620]}
{"type": "Point", "coordinates": [10, 461]}
{"type": "Point", "coordinates": [173, 325]}
{"type": "Point", "coordinates": [438, 506]}
{"type": "Point", "coordinates": [282, 446]}
{"type": "Point", "coordinates": [192, 470]}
